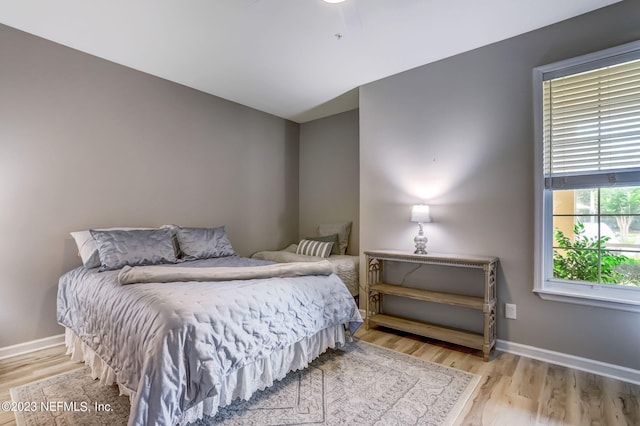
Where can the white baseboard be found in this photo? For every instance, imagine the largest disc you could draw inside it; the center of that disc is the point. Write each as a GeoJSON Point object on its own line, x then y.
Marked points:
{"type": "Point", "coordinates": [584, 364]}
{"type": "Point", "coordinates": [32, 346]}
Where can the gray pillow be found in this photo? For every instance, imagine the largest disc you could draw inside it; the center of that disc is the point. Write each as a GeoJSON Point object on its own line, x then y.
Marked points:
{"type": "Point", "coordinates": [343, 229]}
{"type": "Point", "coordinates": [118, 248]}
{"type": "Point", "coordinates": [87, 249]}
{"type": "Point", "coordinates": [203, 243]}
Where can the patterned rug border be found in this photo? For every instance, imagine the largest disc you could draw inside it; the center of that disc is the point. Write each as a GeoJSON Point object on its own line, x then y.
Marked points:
{"type": "Point", "coordinates": [450, 419]}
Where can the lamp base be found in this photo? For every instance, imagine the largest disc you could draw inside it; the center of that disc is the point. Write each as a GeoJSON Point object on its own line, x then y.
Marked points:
{"type": "Point", "coordinates": [421, 242]}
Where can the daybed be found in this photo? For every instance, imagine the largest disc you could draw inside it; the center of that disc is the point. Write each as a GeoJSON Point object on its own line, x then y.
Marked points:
{"type": "Point", "coordinates": [334, 237]}
{"type": "Point", "coordinates": [346, 266]}
{"type": "Point", "coordinates": [181, 345]}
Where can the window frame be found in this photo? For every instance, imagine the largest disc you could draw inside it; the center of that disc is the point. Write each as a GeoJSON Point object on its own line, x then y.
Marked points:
{"type": "Point", "coordinates": [545, 285]}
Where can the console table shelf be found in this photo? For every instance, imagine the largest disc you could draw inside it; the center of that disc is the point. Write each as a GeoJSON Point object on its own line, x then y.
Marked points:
{"type": "Point", "coordinates": [376, 290]}
{"type": "Point", "coordinates": [434, 331]}
{"type": "Point", "coordinates": [429, 296]}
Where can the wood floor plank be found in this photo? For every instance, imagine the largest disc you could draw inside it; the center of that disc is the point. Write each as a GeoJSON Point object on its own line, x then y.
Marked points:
{"type": "Point", "coordinates": [528, 378]}
{"type": "Point", "coordinates": [513, 390]}
{"type": "Point", "coordinates": [474, 411]}
{"type": "Point", "coordinates": [506, 407]}
{"type": "Point", "coordinates": [553, 399]}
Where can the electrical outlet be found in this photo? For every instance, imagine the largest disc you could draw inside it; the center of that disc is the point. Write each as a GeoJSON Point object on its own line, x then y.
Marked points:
{"type": "Point", "coordinates": [510, 310]}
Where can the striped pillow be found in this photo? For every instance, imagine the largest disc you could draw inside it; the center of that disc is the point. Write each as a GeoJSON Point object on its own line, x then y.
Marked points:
{"type": "Point", "coordinates": [314, 248]}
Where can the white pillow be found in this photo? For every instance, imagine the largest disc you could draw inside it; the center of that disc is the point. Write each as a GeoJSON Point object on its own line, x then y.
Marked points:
{"type": "Point", "coordinates": [343, 229]}
{"type": "Point", "coordinates": [87, 247]}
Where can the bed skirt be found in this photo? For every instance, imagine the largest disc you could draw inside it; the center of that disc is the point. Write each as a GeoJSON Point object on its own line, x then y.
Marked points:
{"type": "Point", "coordinates": [241, 383]}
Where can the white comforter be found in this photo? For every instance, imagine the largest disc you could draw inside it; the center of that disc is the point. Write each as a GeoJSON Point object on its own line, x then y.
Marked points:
{"type": "Point", "coordinates": [172, 344]}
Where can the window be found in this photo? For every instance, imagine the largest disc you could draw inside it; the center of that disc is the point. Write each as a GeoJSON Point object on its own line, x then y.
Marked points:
{"type": "Point", "coordinates": [587, 118]}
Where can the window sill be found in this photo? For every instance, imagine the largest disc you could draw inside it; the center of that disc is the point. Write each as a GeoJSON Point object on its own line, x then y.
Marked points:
{"type": "Point", "coordinates": [618, 298]}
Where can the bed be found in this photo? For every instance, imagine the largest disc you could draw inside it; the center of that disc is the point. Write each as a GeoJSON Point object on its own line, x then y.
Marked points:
{"type": "Point", "coordinates": [181, 349]}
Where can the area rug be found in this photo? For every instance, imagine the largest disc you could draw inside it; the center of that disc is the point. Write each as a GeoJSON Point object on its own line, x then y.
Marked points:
{"type": "Point", "coordinates": [360, 384]}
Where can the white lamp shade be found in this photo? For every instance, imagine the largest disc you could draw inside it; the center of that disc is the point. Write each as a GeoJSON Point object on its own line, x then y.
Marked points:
{"type": "Point", "coordinates": [420, 213]}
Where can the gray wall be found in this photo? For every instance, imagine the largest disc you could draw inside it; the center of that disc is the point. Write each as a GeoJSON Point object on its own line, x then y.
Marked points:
{"type": "Point", "coordinates": [458, 134]}
{"type": "Point", "coordinates": [87, 143]}
{"type": "Point", "coordinates": [329, 174]}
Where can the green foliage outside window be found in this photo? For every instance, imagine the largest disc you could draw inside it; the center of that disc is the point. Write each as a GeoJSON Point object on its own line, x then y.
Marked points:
{"type": "Point", "coordinates": [624, 202]}
{"type": "Point", "coordinates": [621, 202]}
{"type": "Point", "coordinates": [586, 258]}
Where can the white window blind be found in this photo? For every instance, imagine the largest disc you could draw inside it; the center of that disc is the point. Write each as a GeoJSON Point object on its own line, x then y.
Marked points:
{"type": "Point", "coordinates": [592, 126]}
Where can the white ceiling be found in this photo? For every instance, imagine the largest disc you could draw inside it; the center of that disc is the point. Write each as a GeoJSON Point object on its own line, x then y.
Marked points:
{"type": "Point", "coordinates": [282, 56]}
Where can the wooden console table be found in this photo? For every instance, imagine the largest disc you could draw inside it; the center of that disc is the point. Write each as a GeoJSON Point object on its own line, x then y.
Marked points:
{"type": "Point", "coordinates": [375, 291]}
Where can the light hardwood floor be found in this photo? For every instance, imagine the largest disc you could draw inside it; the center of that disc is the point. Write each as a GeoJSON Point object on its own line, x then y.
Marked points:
{"type": "Point", "coordinates": [514, 391]}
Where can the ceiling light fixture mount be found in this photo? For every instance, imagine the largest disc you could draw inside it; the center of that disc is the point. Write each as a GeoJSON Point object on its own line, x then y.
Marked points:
{"type": "Point", "coordinates": [333, 1]}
